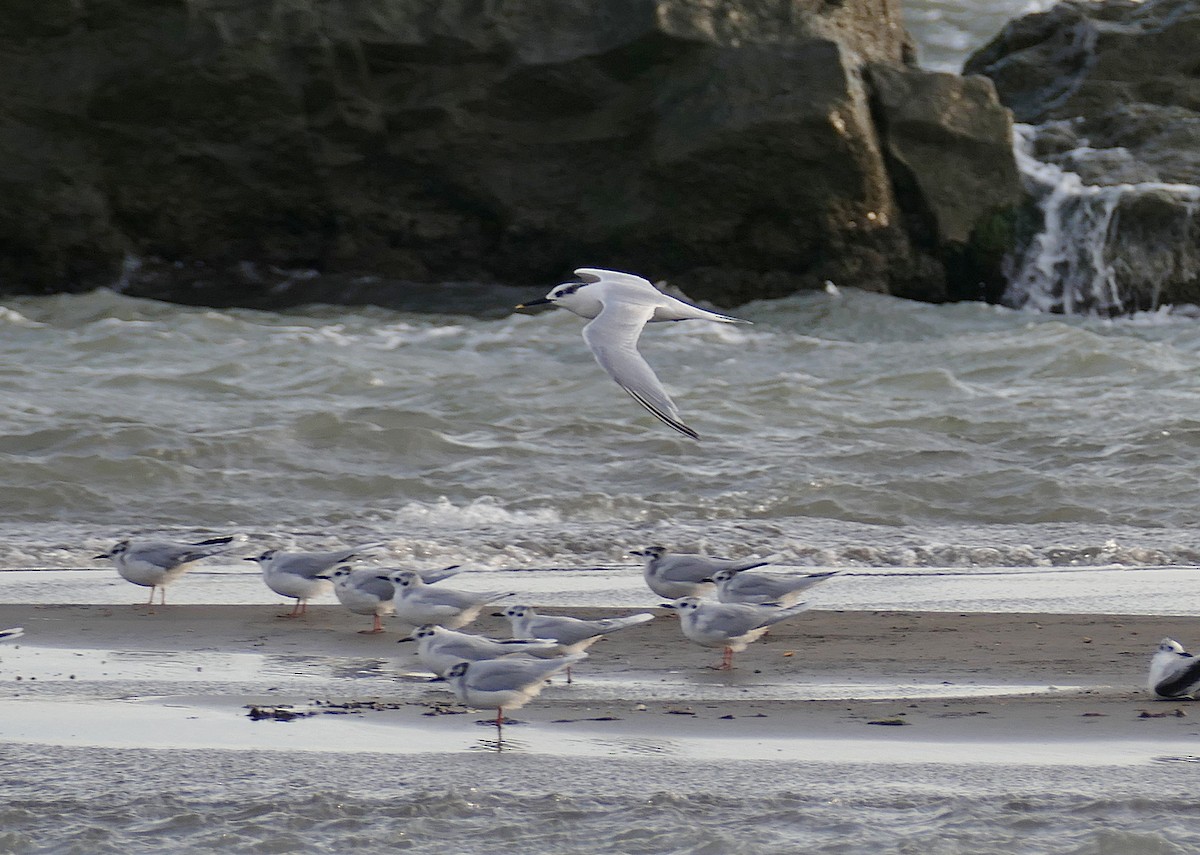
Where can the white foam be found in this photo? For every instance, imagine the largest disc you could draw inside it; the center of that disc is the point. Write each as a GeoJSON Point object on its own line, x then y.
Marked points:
{"type": "Point", "coordinates": [485, 510]}
{"type": "Point", "coordinates": [1069, 266]}
{"type": "Point", "coordinates": [16, 319]}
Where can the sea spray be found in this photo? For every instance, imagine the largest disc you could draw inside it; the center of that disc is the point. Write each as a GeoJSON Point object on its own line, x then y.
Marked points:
{"type": "Point", "coordinates": [1102, 250]}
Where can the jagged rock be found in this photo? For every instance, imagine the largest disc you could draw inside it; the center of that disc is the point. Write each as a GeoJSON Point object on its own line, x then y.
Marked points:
{"type": "Point", "coordinates": [949, 148]}
{"type": "Point", "coordinates": [730, 147]}
{"type": "Point", "coordinates": [1113, 90]}
{"type": "Point", "coordinates": [1123, 72]}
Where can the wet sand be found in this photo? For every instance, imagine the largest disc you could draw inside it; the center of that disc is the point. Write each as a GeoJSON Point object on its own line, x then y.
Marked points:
{"type": "Point", "coordinates": [835, 674]}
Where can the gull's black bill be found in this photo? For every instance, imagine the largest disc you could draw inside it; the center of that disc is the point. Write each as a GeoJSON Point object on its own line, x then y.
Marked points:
{"type": "Point", "coordinates": [541, 302]}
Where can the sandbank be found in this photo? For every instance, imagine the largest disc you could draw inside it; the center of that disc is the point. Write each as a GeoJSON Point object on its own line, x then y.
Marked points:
{"type": "Point", "coordinates": [1047, 685]}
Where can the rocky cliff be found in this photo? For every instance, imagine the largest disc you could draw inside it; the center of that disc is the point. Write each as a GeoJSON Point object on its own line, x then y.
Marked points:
{"type": "Point", "coordinates": [210, 150]}
{"type": "Point", "coordinates": [1112, 90]}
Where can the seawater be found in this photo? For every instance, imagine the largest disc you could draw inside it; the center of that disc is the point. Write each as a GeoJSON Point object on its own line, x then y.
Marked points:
{"type": "Point", "coordinates": [488, 802]}
{"type": "Point", "coordinates": [844, 429]}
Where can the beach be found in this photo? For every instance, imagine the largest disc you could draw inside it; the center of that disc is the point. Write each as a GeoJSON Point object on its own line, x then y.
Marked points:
{"type": "Point", "coordinates": [914, 675]}
{"type": "Point", "coordinates": [229, 728]}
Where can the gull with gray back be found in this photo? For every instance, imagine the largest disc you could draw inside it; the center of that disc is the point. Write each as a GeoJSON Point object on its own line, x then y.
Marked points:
{"type": "Point", "coordinates": [506, 684]}
{"type": "Point", "coordinates": [301, 575]}
{"type": "Point", "coordinates": [573, 634]}
{"type": "Point", "coordinates": [1174, 673]}
{"type": "Point", "coordinates": [439, 649]}
{"type": "Point", "coordinates": [418, 603]}
{"type": "Point", "coordinates": [684, 574]}
{"type": "Point", "coordinates": [733, 626]}
{"type": "Point", "coordinates": [746, 586]}
{"type": "Point", "coordinates": [155, 564]}
{"type": "Point", "coordinates": [365, 592]}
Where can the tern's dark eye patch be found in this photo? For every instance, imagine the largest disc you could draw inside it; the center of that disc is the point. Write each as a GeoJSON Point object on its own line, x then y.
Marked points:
{"type": "Point", "coordinates": [565, 290]}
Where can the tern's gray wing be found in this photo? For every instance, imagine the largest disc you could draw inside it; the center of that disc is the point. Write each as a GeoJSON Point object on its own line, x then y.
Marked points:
{"type": "Point", "coordinates": [766, 588]}
{"type": "Point", "coordinates": [372, 585]}
{"type": "Point", "coordinates": [564, 630]}
{"type": "Point", "coordinates": [435, 596]}
{"type": "Point", "coordinates": [311, 565]}
{"type": "Point", "coordinates": [612, 337]}
{"type": "Point", "coordinates": [685, 568]}
{"type": "Point", "coordinates": [501, 675]}
{"type": "Point", "coordinates": [461, 647]}
{"type": "Point", "coordinates": [330, 558]}
{"type": "Point", "coordinates": [168, 555]}
{"type": "Point", "coordinates": [429, 577]}
{"type": "Point", "coordinates": [778, 615]}
{"type": "Point", "coordinates": [730, 620]}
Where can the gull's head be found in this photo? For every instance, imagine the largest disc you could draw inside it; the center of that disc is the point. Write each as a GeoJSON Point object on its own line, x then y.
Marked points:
{"type": "Point", "coordinates": [404, 578]}
{"type": "Point", "coordinates": [120, 549]}
{"type": "Point", "coordinates": [266, 556]}
{"type": "Point", "coordinates": [724, 575]}
{"type": "Point", "coordinates": [517, 612]}
{"type": "Point", "coordinates": [1170, 645]}
{"type": "Point", "coordinates": [458, 669]}
{"type": "Point", "coordinates": [685, 605]}
{"type": "Point", "coordinates": [426, 631]}
{"type": "Point", "coordinates": [650, 552]}
{"type": "Point", "coordinates": [340, 573]}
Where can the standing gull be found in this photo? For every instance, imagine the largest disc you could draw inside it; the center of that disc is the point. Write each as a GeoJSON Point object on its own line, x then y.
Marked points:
{"type": "Point", "coordinates": [363, 592]}
{"type": "Point", "coordinates": [573, 635]}
{"type": "Point", "coordinates": [418, 603]}
{"type": "Point", "coordinates": [1173, 673]}
{"type": "Point", "coordinates": [156, 564]}
{"type": "Point", "coordinates": [300, 575]}
{"type": "Point", "coordinates": [733, 626]}
{"type": "Point", "coordinates": [741, 586]}
{"type": "Point", "coordinates": [506, 684]}
{"type": "Point", "coordinates": [618, 306]}
{"type": "Point", "coordinates": [440, 649]}
{"type": "Point", "coordinates": [685, 575]}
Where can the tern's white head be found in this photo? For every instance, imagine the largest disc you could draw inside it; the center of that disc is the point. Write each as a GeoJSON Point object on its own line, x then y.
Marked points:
{"type": "Point", "coordinates": [120, 549]}
{"type": "Point", "coordinates": [1170, 645]}
{"type": "Point", "coordinates": [404, 578]}
{"type": "Point", "coordinates": [574, 297]}
{"type": "Point", "coordinates": [650, 552]}
{"type": "Point", "coordinates": [585, 295]}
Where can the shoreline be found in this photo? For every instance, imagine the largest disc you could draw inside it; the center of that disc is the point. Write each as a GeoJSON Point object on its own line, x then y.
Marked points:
{"type": "Point", "coordinates": [838, 684]}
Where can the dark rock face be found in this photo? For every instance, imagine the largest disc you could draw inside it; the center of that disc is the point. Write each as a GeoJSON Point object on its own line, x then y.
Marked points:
{"type": "Point", "coordinates": [743, 150]}
{"type": "Point", "coordinates": [1125, 73]}
{"type": "Point", "coordinates": [949, 151]}
{"type": "Point", "coordinates": [1114, 91]}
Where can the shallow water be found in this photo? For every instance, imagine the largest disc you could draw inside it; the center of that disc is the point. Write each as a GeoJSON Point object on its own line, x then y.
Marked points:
{"type": "Point", "coordinates": [1149, 590]}
{"type": "Point", "coordinates": [484, 801]}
